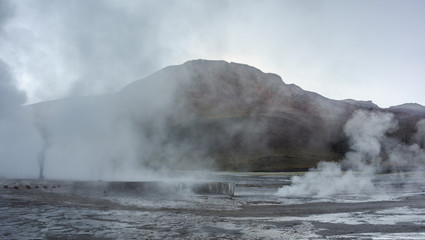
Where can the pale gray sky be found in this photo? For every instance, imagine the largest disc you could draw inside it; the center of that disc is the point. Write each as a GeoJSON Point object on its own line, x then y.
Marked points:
{"type": "Point", "coordinates": [363, 49]}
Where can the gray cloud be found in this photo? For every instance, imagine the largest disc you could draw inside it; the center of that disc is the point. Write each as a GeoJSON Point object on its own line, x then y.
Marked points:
{"type": "Point", "coordinates": [341, 49]}
{"type": "Point", "coordinates": [92, 47]}
{"type": "Point", "coordinates": [6, 11]}
{"type": "Point", "coordinates": [10, 96]}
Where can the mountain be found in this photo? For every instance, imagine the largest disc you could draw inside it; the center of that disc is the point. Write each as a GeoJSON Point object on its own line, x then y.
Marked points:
{"type": "Point", "coordinates": [412, 108]}
{"type": "Point", "coordinates": [364, 104]}
{"type": "Point", "coordinates": [212, 114]}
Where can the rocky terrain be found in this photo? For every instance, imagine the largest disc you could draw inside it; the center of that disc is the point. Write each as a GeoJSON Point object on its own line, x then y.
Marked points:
{"type": "Point", "coordinates": [210, 114]}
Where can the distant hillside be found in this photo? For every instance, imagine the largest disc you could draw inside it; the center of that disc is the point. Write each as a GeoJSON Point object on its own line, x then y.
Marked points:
{"type": "Point", "coordinates": [412, 108]}
{"type": "Point", "coordinates": [212, 114]}
{"type": "Point", "coordinates": [363, 104]}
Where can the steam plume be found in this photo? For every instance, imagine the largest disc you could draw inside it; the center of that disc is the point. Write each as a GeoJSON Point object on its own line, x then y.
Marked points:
{"type": "Point", "coordinates": [19, 141]}
{"type": "Point", "coordinates": [372, 151]}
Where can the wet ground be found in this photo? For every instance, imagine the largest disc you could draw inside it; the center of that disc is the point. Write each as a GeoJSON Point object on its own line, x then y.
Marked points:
{"type": "Point", "coordinates": [31, 209]}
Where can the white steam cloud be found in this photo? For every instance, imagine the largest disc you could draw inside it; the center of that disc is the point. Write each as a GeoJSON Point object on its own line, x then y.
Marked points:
{"type": "Point", "coordinates": [372, 151]}
{"type": "Point", "coordinates": [366, 132]}
{"type": "Point", "coordinates": [19, 140]}
{"type": "Point", "coordinates": [133, 134]}
{"type": "Point", "coordinates": [420, 135]}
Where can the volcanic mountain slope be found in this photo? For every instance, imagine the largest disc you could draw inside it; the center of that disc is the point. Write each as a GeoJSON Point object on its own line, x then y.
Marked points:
{"type": "Point", "coordinates": [209, 114]}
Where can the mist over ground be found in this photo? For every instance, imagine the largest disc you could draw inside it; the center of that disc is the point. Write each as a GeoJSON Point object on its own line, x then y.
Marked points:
{"type": "Point", "coordinates": [114, 125]}
{"type": "Point", "coordinates": [213, 115]}
{"type": "Point", "coordinates": [204, 115]}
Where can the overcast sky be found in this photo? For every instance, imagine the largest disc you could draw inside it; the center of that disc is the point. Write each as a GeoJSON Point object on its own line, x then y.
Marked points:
{"type": "Point", "coordinates": [363, 49]}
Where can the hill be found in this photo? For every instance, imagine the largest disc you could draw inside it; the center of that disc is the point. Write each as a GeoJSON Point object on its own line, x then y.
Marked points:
{"type": "Point", "coordinates": [208, 114]}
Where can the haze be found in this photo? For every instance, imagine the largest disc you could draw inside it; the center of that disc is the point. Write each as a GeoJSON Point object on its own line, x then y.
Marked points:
{"type": "Point", "coordinates": [364, 50]}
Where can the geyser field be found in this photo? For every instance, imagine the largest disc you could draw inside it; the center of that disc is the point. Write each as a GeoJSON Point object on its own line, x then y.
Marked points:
{"type": "Point", "coordinates": [88, 210]}
{"type": "Point", "coordinates": [210, 149]}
